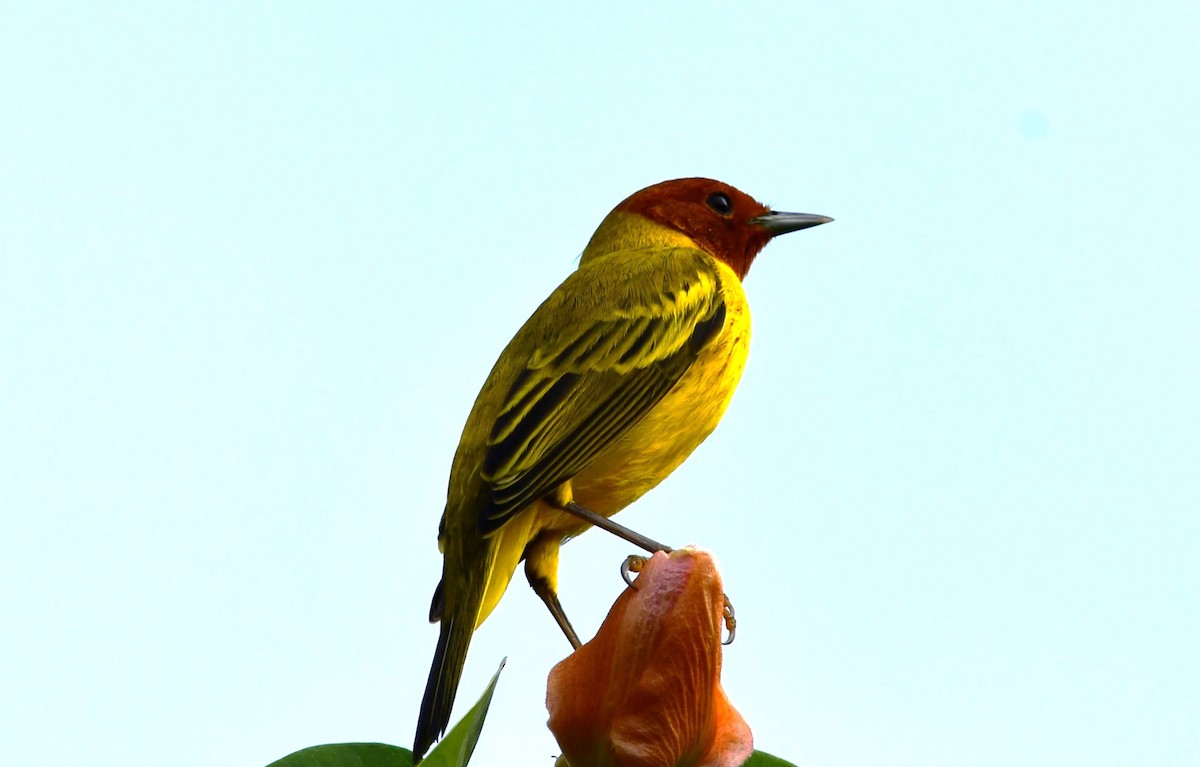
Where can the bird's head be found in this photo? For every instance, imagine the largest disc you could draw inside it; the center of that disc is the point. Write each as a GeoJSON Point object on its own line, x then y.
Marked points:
{"type": "Point", "coordinates": [724, 221]}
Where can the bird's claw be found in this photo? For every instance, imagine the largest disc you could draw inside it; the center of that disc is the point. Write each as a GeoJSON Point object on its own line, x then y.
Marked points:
{"type": "Point", "coordinates": [730, 621]}
{"type": "Point", "coordinates": [632, 564]}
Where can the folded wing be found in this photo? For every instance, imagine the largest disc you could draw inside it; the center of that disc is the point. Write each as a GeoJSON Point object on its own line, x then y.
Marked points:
{"type": "Point", "coordinates": [603, 356]}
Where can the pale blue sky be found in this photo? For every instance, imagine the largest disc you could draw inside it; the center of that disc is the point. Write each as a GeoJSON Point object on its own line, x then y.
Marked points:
{"type": "Point", "coordinates": [255, 263]}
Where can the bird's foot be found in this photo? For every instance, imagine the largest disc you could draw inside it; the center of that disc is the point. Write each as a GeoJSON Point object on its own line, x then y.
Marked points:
{"type": "Point", "coordinates": [634, 563]}
{"type": "Point", "coordinates": [730, 620]}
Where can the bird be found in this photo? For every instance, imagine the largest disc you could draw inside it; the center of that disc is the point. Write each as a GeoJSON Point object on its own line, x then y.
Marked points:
{"type": "Point", "coordinates": [606, 389]}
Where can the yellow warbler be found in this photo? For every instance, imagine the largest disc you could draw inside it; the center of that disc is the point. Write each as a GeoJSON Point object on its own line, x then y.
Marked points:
{"type": "Point", "coordinates": [611, 383]}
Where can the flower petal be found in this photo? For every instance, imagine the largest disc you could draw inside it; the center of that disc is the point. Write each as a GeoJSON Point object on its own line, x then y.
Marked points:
{"type": "Point", "coordinates": [646, 692]}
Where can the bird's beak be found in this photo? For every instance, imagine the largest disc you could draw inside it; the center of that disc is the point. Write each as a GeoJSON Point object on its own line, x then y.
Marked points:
{"type": "Point", "coordinates": [775, 222]}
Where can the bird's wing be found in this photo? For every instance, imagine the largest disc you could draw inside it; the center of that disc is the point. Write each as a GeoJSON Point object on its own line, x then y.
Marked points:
{"type": "Point", "coordinates": [606, 347]}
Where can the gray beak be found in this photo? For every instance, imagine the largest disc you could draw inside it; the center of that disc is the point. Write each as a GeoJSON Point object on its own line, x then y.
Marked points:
{"type": "Point", "coordinates": [776, 222]}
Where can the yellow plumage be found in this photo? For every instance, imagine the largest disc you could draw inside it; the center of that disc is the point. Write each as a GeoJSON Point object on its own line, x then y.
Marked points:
{"type": "Point", "coordinates": [624, 468]}
{"type": "Point", "coordinates": [608, 387]}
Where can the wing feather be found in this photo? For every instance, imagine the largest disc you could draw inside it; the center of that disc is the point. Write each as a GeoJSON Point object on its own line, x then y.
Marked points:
{"type": "Point", "coordinates": [603, 355]}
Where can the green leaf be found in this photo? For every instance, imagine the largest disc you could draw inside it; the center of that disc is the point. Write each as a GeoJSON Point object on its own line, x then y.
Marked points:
{"type": "Point", "coordinates": [348, 755]}
{"type": "Point", "coordinates": [454, 751]}
{"type": "Point", "coordinates": [456, 748]}
{"type": "Point", "coordinates": [759, 759]}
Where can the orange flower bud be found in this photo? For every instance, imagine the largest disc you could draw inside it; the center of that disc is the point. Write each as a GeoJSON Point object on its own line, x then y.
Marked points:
{"type": "Point", "coordinates": [646, 691]}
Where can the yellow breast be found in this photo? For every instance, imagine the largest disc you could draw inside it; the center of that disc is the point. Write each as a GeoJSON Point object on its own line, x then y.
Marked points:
{"type": "Point", "coordinates": [677, 424]}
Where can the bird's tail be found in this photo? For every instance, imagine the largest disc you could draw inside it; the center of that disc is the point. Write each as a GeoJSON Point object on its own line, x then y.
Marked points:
{"type": "Point", "coordinates": [457, 626]}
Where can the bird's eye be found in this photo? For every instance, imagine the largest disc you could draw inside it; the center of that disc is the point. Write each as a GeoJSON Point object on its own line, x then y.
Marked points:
{"type": "Point", "coordinates": [719, 201]}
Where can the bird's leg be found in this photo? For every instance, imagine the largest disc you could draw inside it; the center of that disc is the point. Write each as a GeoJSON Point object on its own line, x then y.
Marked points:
{"type": "Point", "coordinates": [604, 523]}
{"type": "Point", "coordinates": [542, 588]}
{"type": "Point", "coordinates": [632, 564]}
{"type": "Point", "coordinates": [541, 570]}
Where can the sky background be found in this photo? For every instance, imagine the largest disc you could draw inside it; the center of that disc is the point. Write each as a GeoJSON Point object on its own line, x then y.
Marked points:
{"type": "Point", "coordinates": [256, 261]}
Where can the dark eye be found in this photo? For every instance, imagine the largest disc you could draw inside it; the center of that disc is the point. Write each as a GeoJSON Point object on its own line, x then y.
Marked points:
{"type": "Point", "coordinates": [719, 201]}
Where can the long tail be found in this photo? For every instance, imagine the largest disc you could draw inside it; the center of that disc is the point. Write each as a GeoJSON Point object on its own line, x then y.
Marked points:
{"type": "Point", "coordinates": [458, 624]}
